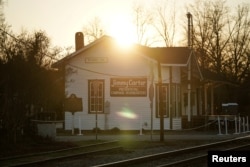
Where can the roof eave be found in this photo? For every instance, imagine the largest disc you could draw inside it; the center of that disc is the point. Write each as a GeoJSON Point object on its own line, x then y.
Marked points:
{"type": "Point", "coordinates": [173, 65]}
{"type": "Point", "coordinates": [61, 62]}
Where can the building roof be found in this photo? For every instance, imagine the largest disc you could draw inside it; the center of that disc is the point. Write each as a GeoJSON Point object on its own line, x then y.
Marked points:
{"type": "Point", "coordinates": [72, 55]}
{"type": "Point", "coordinates": [216, 78]}
{"type": "Point", "coordinates": [172, 56]}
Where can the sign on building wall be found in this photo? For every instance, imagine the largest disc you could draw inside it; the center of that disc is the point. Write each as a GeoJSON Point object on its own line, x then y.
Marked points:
{"type": "Point", "coordinates": [128, 87]}
{"type": "Point", "coordinates": [73, 103]}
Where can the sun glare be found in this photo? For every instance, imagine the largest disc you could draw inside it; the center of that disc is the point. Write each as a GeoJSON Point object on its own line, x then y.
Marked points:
{"type": "Point", "coordinates": [127, 113]}
{"type": "Point", "coordinates": [122, 31]}
{"type": "Point", "coordinates": [123, 40]}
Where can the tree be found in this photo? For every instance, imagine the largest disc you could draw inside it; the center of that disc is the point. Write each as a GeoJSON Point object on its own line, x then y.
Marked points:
{"type": "Point", "coordinates": [28, 86]}
{"type": "Point", "coordinates": [143, 19]}
{"type": "Point", "coordinates": [3, 25]}
{"type": "Point", "coordinates": [238, 59]}
{"type": "Point", "coordinates": [2, 19]}
{"type": "Point", "coordinates": [164, 22]}
{"type": "Point", "coordinates": [93, 30]}
{"type": "Point", "coordinates": [218, 38]}
{"type": "Point", "coordinates": [209, 29]}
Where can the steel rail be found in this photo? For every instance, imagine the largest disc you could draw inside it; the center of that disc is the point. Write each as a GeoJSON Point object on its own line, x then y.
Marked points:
{"type": "Point", "coordinates": [22, 160]}
{"type": "Point", "coordinates": [56, 151]}
{"type": "Point", "coordinates": [65, 157]}
{"type": "Point", "coordinates": [147, 158]}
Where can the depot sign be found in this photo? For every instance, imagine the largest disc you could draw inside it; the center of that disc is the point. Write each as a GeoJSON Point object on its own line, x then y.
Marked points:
{"type": "Point", "coordinates": [128, 87]}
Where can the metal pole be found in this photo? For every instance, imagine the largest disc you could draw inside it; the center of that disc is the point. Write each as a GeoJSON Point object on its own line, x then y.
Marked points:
{"type": "Point", "coordinates": [190, 45]}
{"type": "Point", "coordinates": [140, 126]}
{"type": "Point", "coordinates": [189, 91]}
{"type": "Point", "coordinates": [219, 125]}
{"type": "Point", "coordinates": [170, 99]}
{"type": "Point", "coordinates": [96, 117]}
{"type": "Point", "coordinates": [239, 124]}
{"type": "Point", "coordinates": [151, 98]}
{"type": "Point", "coordinates": [235, 121]}
{"type": "Point", "coordinates": [160, 102]}
{"type": "Point", "coordinates": [243, 122]}
{"type": "Point", "coordinates": [151, 134]}
{"type": "Point", "coordinates": [225, 119]}
{"type": "Point", "coordinates": [247, 125]}
{"type": "Point", "coordinates": [80, 129]}
{"type": "Point", "coordinates": [73, 126]}
{"type": "Point", "coordinates": [96, 87]}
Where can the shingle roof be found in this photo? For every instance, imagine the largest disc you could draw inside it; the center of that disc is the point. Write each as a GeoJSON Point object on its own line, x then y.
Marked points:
{"type": "Point", "coordinates": [168, 55]}
{"type": "Point", "coordinates": [72, 55]}
{"type": "Point", "coordinates": [172, 56]}
{"type": "Point", "coordinates": [165, 55]}
{"type": "Point", "coordinates": [210, 76]}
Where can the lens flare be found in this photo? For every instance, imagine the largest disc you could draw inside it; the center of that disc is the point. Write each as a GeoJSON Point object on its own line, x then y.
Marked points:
{"type": "Point", "coordinates": [127, 113]}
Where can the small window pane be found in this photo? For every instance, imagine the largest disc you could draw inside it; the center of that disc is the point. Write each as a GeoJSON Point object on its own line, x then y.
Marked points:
{"type": "Point", "coordinates": [96, 96]}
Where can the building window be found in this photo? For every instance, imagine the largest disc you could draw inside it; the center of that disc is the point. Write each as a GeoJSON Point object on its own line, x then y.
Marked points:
{"type": "Point", "coordinates": [176, 100]}
{"type": "Point", "coordinates": [165, 101]}
{"type": "Point", "coordinates": [96, 96]}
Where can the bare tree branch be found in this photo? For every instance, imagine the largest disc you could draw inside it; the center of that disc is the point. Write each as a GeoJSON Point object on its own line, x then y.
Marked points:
{"type": "Point", "coordinates": [142, 20]}
{"type": "Point", "coordinates": [93, 29]}
{"type": "Point", "coordinates": [165, 22]}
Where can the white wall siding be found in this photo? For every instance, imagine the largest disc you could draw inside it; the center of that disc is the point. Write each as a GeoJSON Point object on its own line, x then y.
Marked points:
{"type": "Point", "coordinates": [177, 124]}
{"type": "Point", "coordinates": [68, 120]}
{"type": "Point", "coordinates": [176, 75]}
{"type": "Point", "coordinates": [130, 112]}
{"type": "Point", "coordinates": [126, 113]}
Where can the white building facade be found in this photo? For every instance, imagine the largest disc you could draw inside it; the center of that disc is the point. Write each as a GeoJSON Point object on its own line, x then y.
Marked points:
{"type": "Point", "coordinates": [113, 84]}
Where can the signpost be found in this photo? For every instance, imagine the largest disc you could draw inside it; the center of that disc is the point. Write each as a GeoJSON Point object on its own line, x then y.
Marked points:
{"type": "Point", "coordinates": [96, 84]}
{"type": "Point", "coordinates": [160, 102]}
{"type": "Point", "coordinates": [151, 97]}
{"type": "Point", "coordinates": [73, 104]}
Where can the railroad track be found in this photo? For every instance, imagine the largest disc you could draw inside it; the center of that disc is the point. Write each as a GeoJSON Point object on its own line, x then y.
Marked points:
{"type": "Point", "coordinates": [46, 157]}
{"type": "Point", "coordinates": [182, 157]}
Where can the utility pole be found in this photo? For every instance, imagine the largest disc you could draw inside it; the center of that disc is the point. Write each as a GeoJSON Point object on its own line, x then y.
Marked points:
{"type": "Point", "coordinates": [190, 45]}
{"type": "Point", "coordinates": [160, 103]}
{"type": "Point", "coordinates": [170, 92]}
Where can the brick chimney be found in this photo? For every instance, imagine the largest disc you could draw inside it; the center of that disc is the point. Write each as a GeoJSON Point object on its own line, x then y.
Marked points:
{"type": "Point", "coordinates": [79, 40]}
{"type": "Point", "coordinates": [190, 30]}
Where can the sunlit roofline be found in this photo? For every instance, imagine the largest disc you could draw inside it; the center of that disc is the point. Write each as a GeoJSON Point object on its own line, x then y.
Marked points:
{"type": "Point", "coordinates": [124, 44]}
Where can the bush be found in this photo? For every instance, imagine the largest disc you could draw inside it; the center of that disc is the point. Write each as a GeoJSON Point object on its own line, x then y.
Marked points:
{"type": "Point", "coordinates": [115, 130]}
{"type": "Point", "coordinates": [98, 130]}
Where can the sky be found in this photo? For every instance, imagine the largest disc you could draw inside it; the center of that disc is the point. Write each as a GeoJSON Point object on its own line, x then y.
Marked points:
{"type": "Point", "coordinates": [61, 19]}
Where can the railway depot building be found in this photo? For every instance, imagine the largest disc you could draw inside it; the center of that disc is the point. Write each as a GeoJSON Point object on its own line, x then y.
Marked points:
{"type": "Point", "coordinates": [119, 87]}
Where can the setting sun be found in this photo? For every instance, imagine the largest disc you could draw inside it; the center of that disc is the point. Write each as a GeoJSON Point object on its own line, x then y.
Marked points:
{"type": "Point", "coordinates": [123, 31]}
